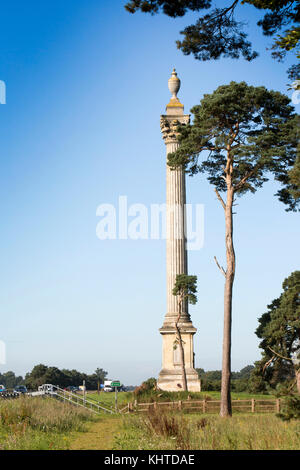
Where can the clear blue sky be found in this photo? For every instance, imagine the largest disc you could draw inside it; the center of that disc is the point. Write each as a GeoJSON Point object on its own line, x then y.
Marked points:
{"type": "Point", "coordinates": [86, 84]}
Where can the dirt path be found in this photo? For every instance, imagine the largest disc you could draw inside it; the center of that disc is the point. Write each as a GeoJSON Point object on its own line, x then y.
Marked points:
{"type": "Point", "coordinates": [100, 435]}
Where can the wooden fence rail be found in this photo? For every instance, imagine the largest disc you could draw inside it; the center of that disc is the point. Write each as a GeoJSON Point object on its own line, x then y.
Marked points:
{"type": "Point", "coordinates": [207, 406]}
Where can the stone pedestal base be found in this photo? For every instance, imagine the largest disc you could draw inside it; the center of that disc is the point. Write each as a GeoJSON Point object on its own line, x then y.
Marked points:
{"type": "Point", "coordinates": [170, 377]}
{"type": "Point", "coordinates": [171, 380]}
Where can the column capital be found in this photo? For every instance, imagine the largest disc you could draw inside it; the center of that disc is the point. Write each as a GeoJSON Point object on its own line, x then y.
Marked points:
{"type": "Point", "coordinates": [169, 124]}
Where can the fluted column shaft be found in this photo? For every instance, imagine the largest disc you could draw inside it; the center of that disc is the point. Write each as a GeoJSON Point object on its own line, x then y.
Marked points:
{"type": "Point", "coordinates": [176, 200]}
{"type": "Point", "coordinates": [176, 243]}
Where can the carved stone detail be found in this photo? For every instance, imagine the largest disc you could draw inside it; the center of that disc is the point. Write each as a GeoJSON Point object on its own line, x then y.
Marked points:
{"type": "Point", "coordinates": [169, 125]}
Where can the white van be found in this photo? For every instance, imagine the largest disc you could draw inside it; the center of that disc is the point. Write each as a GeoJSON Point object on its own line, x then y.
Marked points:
{"type": "Point", "coordinates": [48, 388]}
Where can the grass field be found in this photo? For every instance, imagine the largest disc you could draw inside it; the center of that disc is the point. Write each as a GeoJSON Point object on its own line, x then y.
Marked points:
{"type": "Point", "coordinates": [108, 398]}
{"type": "Point", "coordinates": [100, 435]}
{"type": "Point", "coordinates": [175, 431]}
{"type": "Point", "coordinates": [45, 423]}
{"type": "Point", "coordinates": [39, 423]}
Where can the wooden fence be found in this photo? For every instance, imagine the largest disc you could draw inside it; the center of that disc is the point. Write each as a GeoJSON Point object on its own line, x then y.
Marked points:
{"type": "Point", "coordinates": [207, 406]}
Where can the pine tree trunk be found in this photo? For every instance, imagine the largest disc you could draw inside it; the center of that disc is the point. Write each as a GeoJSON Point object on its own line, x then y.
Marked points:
{"type": "Point", "coordinates": [184, 380]}
{"type": "Point", "coordinates": [229, 278]}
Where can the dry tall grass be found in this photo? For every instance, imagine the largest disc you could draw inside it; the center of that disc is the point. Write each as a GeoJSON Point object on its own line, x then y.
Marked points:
{"type": "Point", "coordinates": [37, 423]}
{"type": "Point", "coordinates": [191, 432]}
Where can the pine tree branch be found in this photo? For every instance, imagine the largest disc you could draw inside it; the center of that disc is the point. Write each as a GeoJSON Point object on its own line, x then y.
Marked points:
{"type": "Point", "coordinates": [241, 183]}
{"type": "Point", "coordinates": [220, 267]}
{"type": "Point", "coordinates": [220, 199]}
{"type": "Point", "coordinates": [268, 363]}
{"type": "Point", "coordinates": [224, 12]}
{"type": "Point", "coordinates": [279, 355]}
{"type": "Point", "coordinates": [291, 386]}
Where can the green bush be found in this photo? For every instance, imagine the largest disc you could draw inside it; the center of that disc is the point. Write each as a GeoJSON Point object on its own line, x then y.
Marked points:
{"type": "Point", "coordinates": [210, 385]}
{"type": "Point", "coordinates": [146, 388]}
{"type": "Point", "coordinates": [290, 408]}
{"type": "Point", "coordinates": [240, 385]}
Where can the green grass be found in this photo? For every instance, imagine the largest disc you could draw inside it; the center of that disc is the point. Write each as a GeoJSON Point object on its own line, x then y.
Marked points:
{"type": "Point", "coordinates": [108, 398]}
{"type": "Point", "coordinates": [176, 431]}
{"type": "Point", "coordinates": [39, 423]}
{"type": "Point", "coordinates": [154, 395]}
{"type": "Point", "coordinates": [44, 423]}
{"type": "Point", "coordinates": [239, 396]}
{"type": "Point", "coordinates": [99, 435]}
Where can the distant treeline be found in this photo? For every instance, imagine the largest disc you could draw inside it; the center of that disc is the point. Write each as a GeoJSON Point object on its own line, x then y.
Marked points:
{"type": "Point", "coordinates": [42, 374]}
{"type": "Point", "coordinates": [249, 379]}
{"type": "Point", "coordinates": [211, 380]}
{"type": "Point", "coordinates": [10, 380]}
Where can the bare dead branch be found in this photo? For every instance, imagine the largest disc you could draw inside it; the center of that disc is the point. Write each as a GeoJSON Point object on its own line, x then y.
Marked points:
{"type": "Point", "coordinates": [220, 199]}
{"type": "Point", "coordinates": [220, 267]}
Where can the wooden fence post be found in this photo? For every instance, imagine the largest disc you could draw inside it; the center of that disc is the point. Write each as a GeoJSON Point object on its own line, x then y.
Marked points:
{"type": "Point", "coordinates": [135, 404]}
{"type": "Point", "coordinates": [155, 405]}
{"type": "Point", "coordinates": [278, 405]}
{"type": "Point", "coordinates": [179, 405]}
{"type": "Point", "coordinates": [253, 405]}
{"type": "Point", "coordinates": [204, 406]}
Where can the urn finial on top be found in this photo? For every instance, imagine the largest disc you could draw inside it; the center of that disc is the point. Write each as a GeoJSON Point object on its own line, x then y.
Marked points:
{"type": "Point", "coordinates": [174, 84]}
{"type": "Point", "coordinates": [174, 87]}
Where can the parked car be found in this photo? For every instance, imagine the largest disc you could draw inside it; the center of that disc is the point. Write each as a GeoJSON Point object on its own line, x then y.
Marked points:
{"type": "Point", "coordinates": [72, 388]}
{"type": "Point", "coordinates": [108, 388]}
{"type": "Point", "coordinates": [20, 389]}
{"type": "Point", "coordinates": [2, 388]}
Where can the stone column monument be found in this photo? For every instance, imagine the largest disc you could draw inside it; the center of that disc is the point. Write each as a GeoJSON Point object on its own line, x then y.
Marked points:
{"type": "Point", "coordinates": [170, 377]}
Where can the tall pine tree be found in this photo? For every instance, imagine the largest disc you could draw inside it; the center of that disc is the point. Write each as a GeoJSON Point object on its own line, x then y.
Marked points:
{"type": "Point", "coordinates": [239, 136]}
